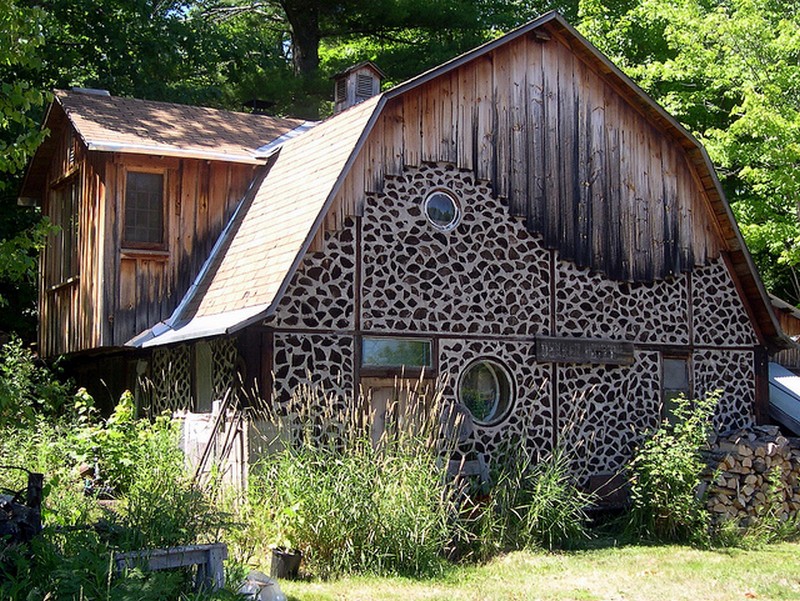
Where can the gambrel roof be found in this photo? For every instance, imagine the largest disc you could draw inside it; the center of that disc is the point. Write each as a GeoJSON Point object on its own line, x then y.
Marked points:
{"type": "Point", "coordinates": [286, 212]}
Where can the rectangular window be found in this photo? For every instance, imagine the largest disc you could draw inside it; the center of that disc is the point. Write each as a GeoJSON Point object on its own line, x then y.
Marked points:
{"type": "Point", "coordinates": [64, 241]}
{"type": "Point", "coordinates": [675, 382]}
{"type": "Point", "coordinates": [395, 352]}
{"type": "Point", "coordinates": [144, 209]}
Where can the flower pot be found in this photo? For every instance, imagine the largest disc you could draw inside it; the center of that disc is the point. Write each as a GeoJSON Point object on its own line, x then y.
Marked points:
{"type": "Point", "coordinates": [285, 563]}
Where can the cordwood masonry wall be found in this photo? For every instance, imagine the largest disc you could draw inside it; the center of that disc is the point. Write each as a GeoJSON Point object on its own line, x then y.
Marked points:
{"type": "Point", "coordinates": [488, 289]}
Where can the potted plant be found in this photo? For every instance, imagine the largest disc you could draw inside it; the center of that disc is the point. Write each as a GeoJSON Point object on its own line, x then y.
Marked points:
{"type": "Point", "coordinates": [286, 556]}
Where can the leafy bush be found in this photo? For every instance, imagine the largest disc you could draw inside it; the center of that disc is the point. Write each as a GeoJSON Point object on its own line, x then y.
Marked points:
{"type": "Point", "coordinates": [156, 506]}
{"type": "Point", "coordinates": [26, 387]}
{"type": "Point", "coordinates": [666, 473]}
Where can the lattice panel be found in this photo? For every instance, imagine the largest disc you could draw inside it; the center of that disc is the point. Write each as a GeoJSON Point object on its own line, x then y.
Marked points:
{"type": "Point", "coordinates": [530, 418]}
{"type": "Point", "coordinates": [590, 305]}
{"type": "Point", "coordinates": [604, 410]}
{"type": "Point", "coordinates": [171, 379]}
{"type": "Point", "coordinates": [720, 318]}
{"type": "Point", "coordinates": [732, 372]}
{"type": "Point", "coordinates": [488, 275]}
{"type": "Point", "coordinates": [321, 292]}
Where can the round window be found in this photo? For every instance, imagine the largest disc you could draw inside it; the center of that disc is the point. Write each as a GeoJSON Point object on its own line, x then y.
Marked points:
{"type": "Point", "coordinates": [441, 209]}
{"type": "Point", "coordinates": [485, 389]}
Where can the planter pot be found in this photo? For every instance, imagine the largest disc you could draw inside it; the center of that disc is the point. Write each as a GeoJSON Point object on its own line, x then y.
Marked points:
{"type": "Point", "coordinates": [285, 563]}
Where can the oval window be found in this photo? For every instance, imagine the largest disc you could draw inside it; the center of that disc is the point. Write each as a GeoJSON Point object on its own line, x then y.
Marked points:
{"type": "Point", "coordinates": [441, 209]}
{"type": "Point", "coordinates": [485, 389]}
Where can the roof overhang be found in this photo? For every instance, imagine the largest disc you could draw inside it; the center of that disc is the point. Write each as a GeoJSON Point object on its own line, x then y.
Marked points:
{"type": "Point", "coordinates": [207, 326]}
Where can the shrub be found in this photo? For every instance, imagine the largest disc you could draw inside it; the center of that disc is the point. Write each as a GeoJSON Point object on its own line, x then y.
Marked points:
{"type": "Point", "coordinates": [666, 473]}
{"type": "Point", "coordinates": [157, 506]}
{"type": "Point", "coordinates": [532, 504]}
{"type": "Point", "coordinates": [26, 387]}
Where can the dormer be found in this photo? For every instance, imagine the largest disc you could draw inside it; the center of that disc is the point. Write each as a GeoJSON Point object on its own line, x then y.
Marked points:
{"type": "Point", "coordinates": [356, 84]}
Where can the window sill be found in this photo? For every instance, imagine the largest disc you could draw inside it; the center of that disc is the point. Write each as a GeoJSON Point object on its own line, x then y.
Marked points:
{"type": "Point", "coordinates": [406, 373]}
{"type": "Point", "coordinates": [152, 254]}
{"type": "Point", "coordinates": [65, 284]}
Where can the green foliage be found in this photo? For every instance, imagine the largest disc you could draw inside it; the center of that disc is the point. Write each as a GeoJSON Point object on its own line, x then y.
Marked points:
{"type": "Point", "coordinates": [26, 387]}
{"type": "Point", "coordinates": [666, 473]}
{"type": "Point", "coordinates": [730, 72]}
{"type": "Point", "coordinates": [352, 506]}
{"type": "Point", "coordinates": [532, 505]}
{"type": "Point", "coordinates": [156, 506]}
{"type": "Point", "coordinates": [21, 41]}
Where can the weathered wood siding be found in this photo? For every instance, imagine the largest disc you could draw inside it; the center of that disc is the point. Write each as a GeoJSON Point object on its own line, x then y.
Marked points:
{"type": "Point", "coordinates": [119, 292]}
{"type": "Point", "coordinates": [790, 324]}
{"type": "Point", "coordinates": [571, 153]}
{"type": "Point", "coordinates": [200, 197]}
{"type": "Point", "coordinates": [70, 304]}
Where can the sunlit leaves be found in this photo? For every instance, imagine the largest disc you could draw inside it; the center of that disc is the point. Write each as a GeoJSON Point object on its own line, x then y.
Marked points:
{"type": "Point", "coordinates": [730, 72]}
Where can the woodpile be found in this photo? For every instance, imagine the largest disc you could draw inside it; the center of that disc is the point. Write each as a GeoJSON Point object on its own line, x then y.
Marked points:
{"type": "Point", "coordinates": [753, 473]}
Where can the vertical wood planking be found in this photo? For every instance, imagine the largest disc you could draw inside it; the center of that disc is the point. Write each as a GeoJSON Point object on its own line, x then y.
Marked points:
{"type": "Point", "coordinates": [536, 128]}
{"type": "Point", "coordinates": [429, 132]}
{"type": "Point", "coordinates": [412, 125]}
{"type": "Point", "coordinates": [600, 229]}
{"type": "Point", "coordinates": [393, 148]}
{"type": "Point", "coordinates": [501, 103]}
{"type": "Point", "coordinates": [485, 132]}
{"type": "Point", "coordinates": [518, 123]}
{"type": "Point", "coordinates": [552, 204]}
{"type": "Point", "coordinates": [584, 103]}
{"type": "Point", "coordinates": [465, 114]}
{"type": "Point", "coordinates": [567, 161]}
{"type": "Point", "coordinates": [670, 225]}
{"type": "Point", "coordinates": [446, 118]}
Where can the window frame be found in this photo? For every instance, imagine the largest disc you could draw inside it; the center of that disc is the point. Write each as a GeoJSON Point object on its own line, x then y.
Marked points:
{"type": "Point", "coordinates": [504, 412]}
{"type": "Point", "coordinates": [379, 371]}
{"type": "Point", "coordinates": [665, 410]}
{"type": "Point", "coordinates": [66, 200]}
{"type": "Point", "coordinates": [140, 245]}
{"type": "Point", "coordinates": [459, 213]}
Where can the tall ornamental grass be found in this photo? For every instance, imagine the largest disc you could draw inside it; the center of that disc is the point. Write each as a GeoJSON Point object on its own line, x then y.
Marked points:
{"type": "Point", "coordinates": [352, 504]}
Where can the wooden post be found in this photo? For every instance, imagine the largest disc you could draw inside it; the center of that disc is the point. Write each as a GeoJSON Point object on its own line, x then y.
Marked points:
{"type": "Point", "coordinates": [34, 499]}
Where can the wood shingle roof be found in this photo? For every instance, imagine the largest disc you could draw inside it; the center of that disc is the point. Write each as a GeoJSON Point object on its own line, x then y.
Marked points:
{"type": "Point", "coordinates": [148, 127]}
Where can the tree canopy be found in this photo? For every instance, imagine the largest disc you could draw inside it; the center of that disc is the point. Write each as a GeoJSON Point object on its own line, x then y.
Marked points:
{"type": "Point", "coordinates": [730, 72]}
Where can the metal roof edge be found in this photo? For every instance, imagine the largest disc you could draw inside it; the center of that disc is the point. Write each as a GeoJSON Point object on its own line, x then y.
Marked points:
{"type": "Point", "coordinates": [173, 151]}
{"type": "Point", "coordinates": [206, 326]}
{"type": "Point", "coordinates": [171, 323]}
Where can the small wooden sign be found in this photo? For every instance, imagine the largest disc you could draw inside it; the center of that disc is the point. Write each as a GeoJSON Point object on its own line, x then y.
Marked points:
{"type": "Point", "coordinates": [583, 351]}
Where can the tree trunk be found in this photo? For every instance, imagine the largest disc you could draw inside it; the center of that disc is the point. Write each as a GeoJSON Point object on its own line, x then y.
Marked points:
{"type": "Point", "coordinates": [303, 17]}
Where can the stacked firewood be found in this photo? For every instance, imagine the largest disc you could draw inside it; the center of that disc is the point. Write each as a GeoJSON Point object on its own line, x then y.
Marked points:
{"type": "Point", "coordinates": [753, 473]}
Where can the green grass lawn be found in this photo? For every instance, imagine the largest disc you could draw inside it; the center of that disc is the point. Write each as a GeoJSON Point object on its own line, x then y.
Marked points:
{"type": "Point", "coordinates": [635, 573]}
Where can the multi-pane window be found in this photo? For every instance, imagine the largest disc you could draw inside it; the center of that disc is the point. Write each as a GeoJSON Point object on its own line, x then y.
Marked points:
{"type": "Point", "coordinates": [144, 209]}
{"type": "Point", "coordinates": [64, 241]}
